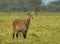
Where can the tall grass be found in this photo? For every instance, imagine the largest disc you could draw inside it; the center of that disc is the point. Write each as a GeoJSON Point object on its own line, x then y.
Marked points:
{"type": "Point", "coordinates": [44, 29]}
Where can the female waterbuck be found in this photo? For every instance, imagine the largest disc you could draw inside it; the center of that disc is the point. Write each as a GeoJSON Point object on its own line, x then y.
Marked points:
{"type": "Point", "coordinates": [21, 25]}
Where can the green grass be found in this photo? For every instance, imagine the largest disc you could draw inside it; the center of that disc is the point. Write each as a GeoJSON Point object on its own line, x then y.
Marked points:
{"type": "Point", "coordinates": [44, 29]}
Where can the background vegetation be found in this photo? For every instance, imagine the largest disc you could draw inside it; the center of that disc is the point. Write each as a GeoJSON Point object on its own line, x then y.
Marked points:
{"type": "Point", "coordinates": [25, 5]}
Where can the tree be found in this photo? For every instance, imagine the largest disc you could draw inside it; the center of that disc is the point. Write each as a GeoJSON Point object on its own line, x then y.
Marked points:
{"type": "Point", "coordinates": [9, 4]}
{"type": "Point", "coordinates": [54, 6]}
{"type": "Point", "coordinates": [36, 5]}
{"type": "Point", "coordinates": [19, 5]}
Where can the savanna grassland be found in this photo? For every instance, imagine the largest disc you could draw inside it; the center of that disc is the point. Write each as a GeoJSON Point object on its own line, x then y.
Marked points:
{"type": "Point", "coordinates": [44, 28]}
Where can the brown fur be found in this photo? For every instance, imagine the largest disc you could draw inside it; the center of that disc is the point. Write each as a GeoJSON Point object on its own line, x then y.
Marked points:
{"type": "Point", "coordinates": [21, 25]}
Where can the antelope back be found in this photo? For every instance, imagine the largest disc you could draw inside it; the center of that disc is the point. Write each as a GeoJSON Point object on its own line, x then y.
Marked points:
{"type": "Point", "coordinates": [19, 24]}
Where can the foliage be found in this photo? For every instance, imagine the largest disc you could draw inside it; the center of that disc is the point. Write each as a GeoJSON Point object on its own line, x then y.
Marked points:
{"type": "Point", "coordinates": [36, 4]}
{"type": "Point", "coordinates": [26, 5]}
{"type": "Point", "coordinates": [54, 6]}
{"type": "Point", "coordinates": [18, 5]}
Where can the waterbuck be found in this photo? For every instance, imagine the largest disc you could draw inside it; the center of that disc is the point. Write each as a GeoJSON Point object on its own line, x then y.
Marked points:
{"type": "Point", "coordinates": [21, 25]}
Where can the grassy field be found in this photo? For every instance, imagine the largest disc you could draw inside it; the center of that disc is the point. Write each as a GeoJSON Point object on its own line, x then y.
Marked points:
{"type": "Point", "coordinates": [44, 29]}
